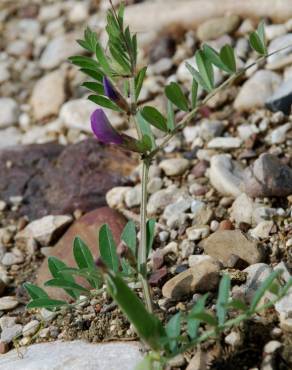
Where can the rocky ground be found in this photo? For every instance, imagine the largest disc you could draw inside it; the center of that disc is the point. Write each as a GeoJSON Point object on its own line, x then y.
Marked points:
{"type": "Point", "coordinates": [221, 191]}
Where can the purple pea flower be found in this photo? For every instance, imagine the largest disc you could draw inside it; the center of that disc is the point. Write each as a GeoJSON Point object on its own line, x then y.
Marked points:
{"type": "Point", "coordinates": [113, 94]}
{"type": "Point", "coordinates": [105, 133]}
{"type": "Point", "coordinates": [103, 130]}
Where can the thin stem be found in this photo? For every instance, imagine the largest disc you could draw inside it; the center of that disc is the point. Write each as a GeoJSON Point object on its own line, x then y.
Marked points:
{"type": "Point", "coordinates": [133, 103]}
{"type": "Point", "coordinates": [142, 251]}
{"type": "Point", "coordinates": [184, 121]}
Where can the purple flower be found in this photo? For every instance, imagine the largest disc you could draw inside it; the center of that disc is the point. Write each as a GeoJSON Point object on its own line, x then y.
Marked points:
{"type": "Point", "coordinates": [109, 90]}
{"type": "Point", "coordinates": [112, 93]}
{"type": "Point", "coordinates": [103, 130]}
{"type": "Point", "coordinates": [105, 133]}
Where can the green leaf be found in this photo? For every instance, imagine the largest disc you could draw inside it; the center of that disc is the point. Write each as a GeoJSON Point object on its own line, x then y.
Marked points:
{"type": "Point", "coordinates": [205, 69]}
{"type": "Point", "coordinates": [154, 117]}
{"type": "Point", "coordinates": [213, 56]}
{"type": "Point", "coordinates": [146, 143]}
{"type": "Point", "coordinates": [261, 33]}
{"type": "Point", "coordinates": [176, 96]}
{"type": "Point", "coordinates": [95, 74]}
{"type": "Point", "coordinates": [129, 236]}
{"type": "Point", "coordinates": [120, 59]}
{"type": "Point", "coordinates": [228, 58]}
{"type": "Point", "coordinates": [84, 62]}
{"type": "Point", "coordinates": [222, 300]}
{"type": "Point", "coordinates": [139, 79]}
{"type": "Point", "coordinates": [150, 229]}
{"type": "Point", "coordinates": [194, 93]}
{"type": "Point", "coordinates": [65, 284]}
{"type": "Point", "coordinates": [238, 305]}
{"type": "Point", "coordinates": [170, 116]}
{"type": "Point", "coordinates": [148, 327]}
{"type": "Point", "coordinates": [84, 259]}
{"type": "Point", "coordinates": [205, 317]}
{"type": "Point", "coordinates": [90, 39]}
{"type": "Point", "coordinates": [265, 286]}
{"type": "Point", "coordinates": [145, 128]}
{"type": "Point", "coordinates": [196, 75]}
{"type": "Point", "coordinates": [55, 266]}
{"type": "Point", "coordinates": [104, 102]}
{"type": "Point", "coordinates": [145, 364]}
{"type": "Point", "coordinates": [172, 329]}
{"type": "Point", "coordinates": [102, 58]}
{"type": "Point", "coordinates": [94, 86]}
{"type": "Point", "coordinates": [257, 44]}
{"type": "Point", "coordinates": [34, 291]}
{"type": "Point", "coordinates": [193, 323]}
{"type": "Point", "coordinates": [107, 248]}
{"type": "Point", "coordinates": [46, 303]}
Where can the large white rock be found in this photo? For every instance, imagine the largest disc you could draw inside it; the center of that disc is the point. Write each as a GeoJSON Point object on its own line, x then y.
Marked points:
{"type": "Point", "coordinates": [257, 90]}
{"type": "Point", "coordinates": [58, 50]}
{"type": "Point", "coordinates": [48, 95]}
{"type": "Point", "coordinates": [9, 112]}
{"type": "Point", "coordinates": [76, 114]}
{"type": "Point", "coordinates": [225, 175]}
{"type": "Point", "coordinates": [77, 355]}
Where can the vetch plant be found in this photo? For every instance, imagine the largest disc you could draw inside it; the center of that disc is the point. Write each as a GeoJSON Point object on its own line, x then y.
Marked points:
{"type": "Point", "coordinates": [115, 83]}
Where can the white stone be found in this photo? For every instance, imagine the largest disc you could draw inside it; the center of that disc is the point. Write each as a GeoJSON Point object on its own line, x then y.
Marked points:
{"type": "Point", "coordinates": [242, 209]}
{"type": "Point", "coordinates": [278, 135]}
{"type": "Point", "coordinates": [48, 95]}
{"type": "Point", "coordinates": [76, 114]}
{"type": "Point", "coordinates": [9, 112]}
{"type": "Point", "coordinates": [78, 12]}
{"type": "Point", "coordinates": [174, 166]}
{"type": "Point", "coordinates": [198, 232]}
{"type": "Point", "coordinates": [197, 259]}
{"type": "Point", "coordinates": [159, 200]}
{"type": "Point", "coordinates": [4, 72]}
{"type": "Point", "coordinates": [74, 355]}
{"type": "Point", "coordinates": [9, 136]}
{"type": "Point", "coordinates": [255, 91]}
{"type": "Point", "coordinates": [116, 196]}
{"type": "Point", "coordinates": [30, 328]}
{"type": "Point", "coordinates": [225, 143]}
{"type": "Point", "coordinates": [282, 58]}
{"type": "Point", "coordinates": [58, 50]}
{"type": "Point", "coordinates": [262, 230]}
{"type": "Point", "coordinates": [133, 196]}
{"type": "Point", "coordinates": [274, 30]}
{"type": "Point", "coordinates": [225, 175]}
{"type": "Point", "coordinates": [10, 333]}
{"type": "Point", "coordinates": [181, 205]}
{"type": "Point", "coordinates": [8, 303]}
{"type": "Point", "coordinates": [43, 229]}
{"type": "Point", "coordinates": [154, 185]}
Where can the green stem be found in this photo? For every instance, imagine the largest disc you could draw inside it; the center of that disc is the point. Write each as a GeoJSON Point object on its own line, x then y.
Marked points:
{"type": "Point", "coordinates": [142, 250]}
{"type": "Point", "coordinates": [184, 121]}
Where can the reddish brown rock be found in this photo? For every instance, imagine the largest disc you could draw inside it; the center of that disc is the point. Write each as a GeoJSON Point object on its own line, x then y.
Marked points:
{"type": "Point", "coordinates": [53, 179]}
{"type": "Point", "coordinates": [86, 228]}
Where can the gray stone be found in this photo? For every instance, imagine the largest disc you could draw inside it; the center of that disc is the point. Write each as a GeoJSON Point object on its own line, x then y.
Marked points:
{"type": "Point", "coordinates": [58, 50]}
{"type": "Point", "coordinates": [256, 275]}
{"type": "Point", "coordinates": [48, 95]}
{"type": "Point", "coordinates": [74, 355]}
{"type": "Point", "coordinates": [224, 243]}
{"type": "Point", "coordinates": [10, 333]}
{"type": "Point", "coordinates": [262, 230]}
{"type": "Point", "coordinates": [202, 277]}
{"type": "Point", "coordinates": [281, 100]}
{"type": "Point", "coordinates": [159, 200]}
{"type": "Point", "coordinates": [268, 177]}
{"type": "Point", "coordinates": [225, 175]}
{"type": "Point", "coordinates": [198, 232]}
{"type": "Point", "coordinates": [30, 328]}
{"type": "Point", "coordinates": [180, 206]}
{"type": "Point", "coordinates": [9, 112]}
{"type": "Point", "coordinates": [255, 91]}
{"type": "Point", "coordinates": [210, 129]}
{"type": "Point", "coordinates": [133, 196]}
{"type": "Point", "coordinates": [9, 136]}
{"type": "Point", "coordinates": [76, 114]}
{"type": "Point", "coordinates": [4, 72]}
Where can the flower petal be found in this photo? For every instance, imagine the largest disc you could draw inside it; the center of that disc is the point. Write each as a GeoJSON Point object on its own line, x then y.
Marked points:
{"type": "Point", "coordinates": [103, 130]}
{"type": "Point", "coordinates": [109, 90]}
